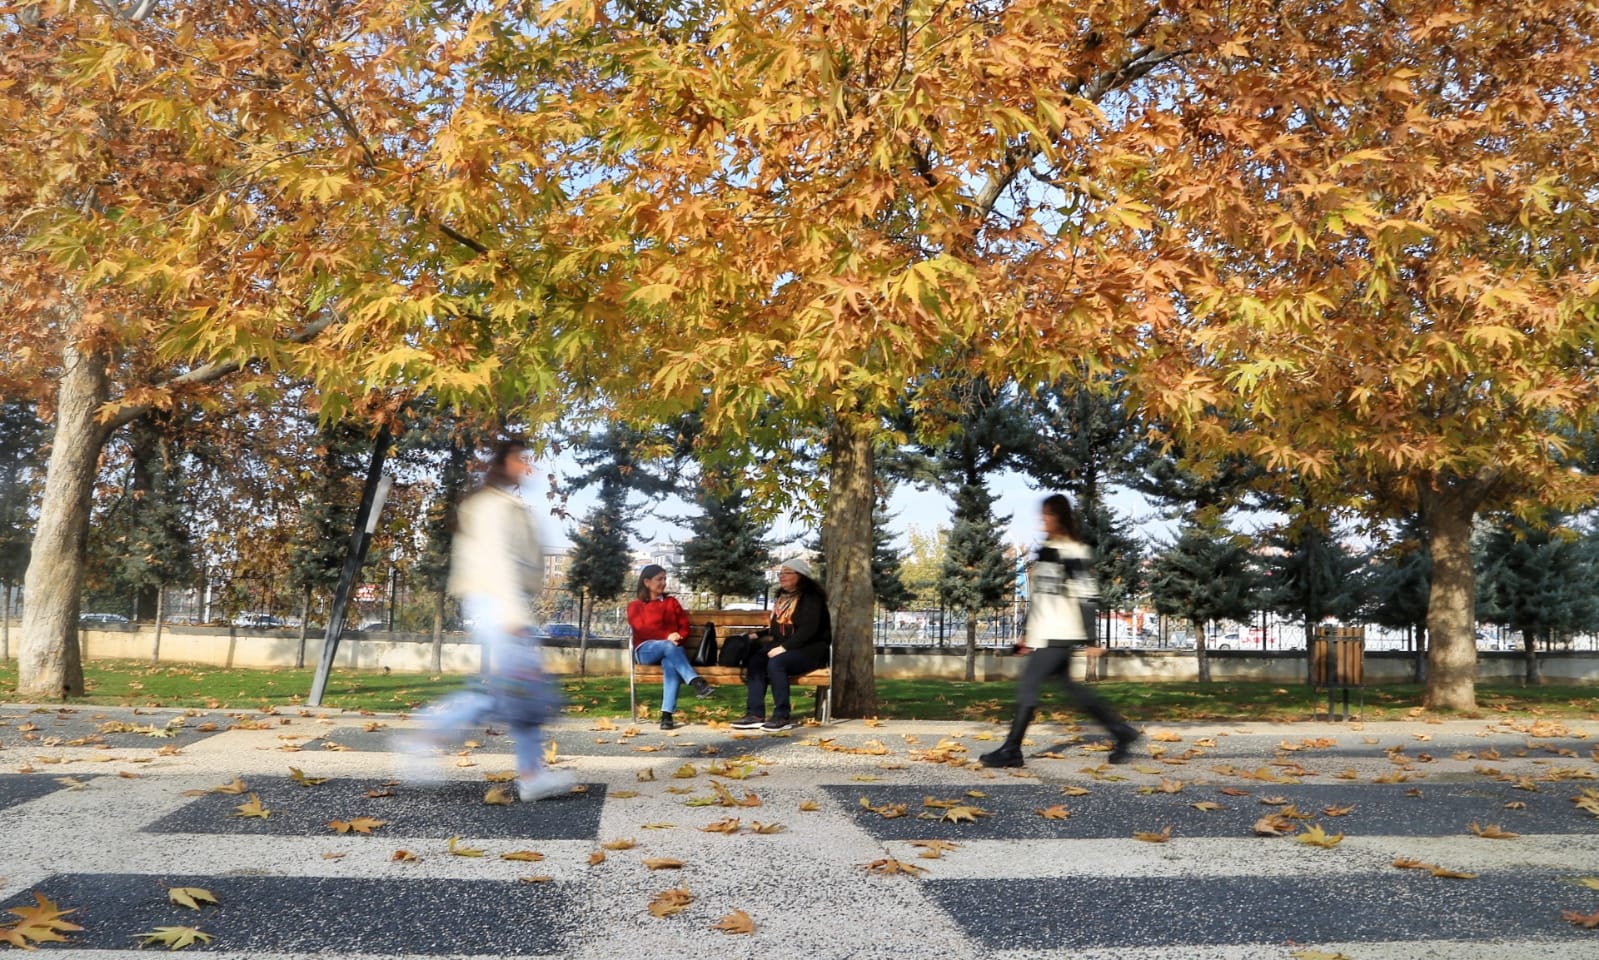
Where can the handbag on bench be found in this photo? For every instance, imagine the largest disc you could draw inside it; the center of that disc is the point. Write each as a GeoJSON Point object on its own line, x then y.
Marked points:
{"type": "Point", "coordinates": [704, 655]}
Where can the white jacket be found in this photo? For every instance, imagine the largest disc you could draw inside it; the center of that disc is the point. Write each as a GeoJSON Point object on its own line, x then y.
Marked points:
{"type": "Point", "coordinates": [496, 555]}
{"type": "Point", "coordinates": [1059, 580]}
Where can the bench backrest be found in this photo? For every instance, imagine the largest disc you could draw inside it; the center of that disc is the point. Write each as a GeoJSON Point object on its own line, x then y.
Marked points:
{"type": "Point", "coordinates": [728, 620]}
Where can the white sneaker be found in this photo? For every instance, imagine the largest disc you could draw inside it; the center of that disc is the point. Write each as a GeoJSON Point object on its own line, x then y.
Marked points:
{"type": "Point", "coordinates": [545, 783]}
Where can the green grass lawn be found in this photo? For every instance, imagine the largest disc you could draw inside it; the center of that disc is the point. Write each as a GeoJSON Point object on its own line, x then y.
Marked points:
{"type": "Point", "coordinates": [134, 683]}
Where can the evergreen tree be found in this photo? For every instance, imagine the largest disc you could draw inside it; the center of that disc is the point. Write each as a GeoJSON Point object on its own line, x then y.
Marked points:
{"type": "Point", "coordinates": [1395, 584]}
{"type": "Point", "coordinates": [438, 528]}
{"type": "Point", "coordinates": [599, 559]}
{"type": "Point", "coordinates": [1204, 576]}
{"type": "Point", "coordinates": [327, 517]}
{"type": "Point", "coordinates": [1309, 574]}
{"type": "Point", "coordinates": [1535, 579]}
{"type": "Point", "coordinates": [1118, 556]}
{"type": "Point", "coordinates": [22, 437]}
{"type": "Point", "coordinates": [726, 554]}
{"type": "Point", "coordinates": [1082, 437]}
{"type": "Point", "coordinates": [887, 561]}
{"type": "Point", "coordinates": [976, 574]}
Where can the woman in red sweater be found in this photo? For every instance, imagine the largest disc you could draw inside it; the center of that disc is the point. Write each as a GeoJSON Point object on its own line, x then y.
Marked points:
{"type": "Point", "coordinates": [659, 628]}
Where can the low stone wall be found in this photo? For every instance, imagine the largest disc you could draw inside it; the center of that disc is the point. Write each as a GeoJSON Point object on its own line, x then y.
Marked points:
{"type": "Point", "coordinates": [413, 653]}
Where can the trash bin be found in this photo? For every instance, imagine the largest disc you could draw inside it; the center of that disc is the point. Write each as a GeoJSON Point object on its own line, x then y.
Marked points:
{"type": "Point", "coordinates": [1337, 665]}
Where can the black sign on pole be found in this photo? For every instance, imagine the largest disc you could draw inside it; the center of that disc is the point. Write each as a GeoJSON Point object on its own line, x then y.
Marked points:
{"type": "Point", "coordinates": [366, 521]}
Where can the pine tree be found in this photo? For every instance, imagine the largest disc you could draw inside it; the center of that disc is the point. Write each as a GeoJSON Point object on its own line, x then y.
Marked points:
{"type": "Point", "coordinates": [1534, 579]}
{"type": "Point", "coordinates": [1118, 555]}
{"type": "Point", "coordinates": [600, 560]}
{"type": "Point", "coordinates": [887, 563]}
{"type": "Point", "coordinates": [327, 517]}
{"type": "Point", "coordinates": [1395, 584]}
{"type": "Point", "coordinates": [726, 554]}
{"type": "Point", "coordinates": [1204, 576]}
{"type": "Point", "coordinates": [438, 527]}
{"type": "Point", "coordinates": [22, 436]}
{"type": "Point", "coordinates": [1309, 574]}
{"type": "Point", "coordinates": [976, 574]}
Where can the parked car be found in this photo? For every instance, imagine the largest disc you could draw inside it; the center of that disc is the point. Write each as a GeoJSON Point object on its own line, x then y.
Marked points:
{"type": "Point", "coordinates": [375, 623]}
{"type": "Point", "coordinates": [92, 618]}
{"type": "Point", "coordinates": [559, 630]}
{"type": "Point", "coordinates": [258, 621]}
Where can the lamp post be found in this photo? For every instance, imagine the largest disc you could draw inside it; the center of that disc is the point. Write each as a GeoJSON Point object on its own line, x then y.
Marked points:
{"type": "Point", "coordinates": [373, 493]}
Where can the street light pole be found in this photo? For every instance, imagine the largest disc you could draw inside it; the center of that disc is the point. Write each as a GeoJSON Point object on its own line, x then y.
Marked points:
{"type": "Point", "coordinates": [373, 493]}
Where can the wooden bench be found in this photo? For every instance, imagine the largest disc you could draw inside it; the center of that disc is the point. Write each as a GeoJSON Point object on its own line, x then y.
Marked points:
{"type": "Point", "coordinates": [727, 623]}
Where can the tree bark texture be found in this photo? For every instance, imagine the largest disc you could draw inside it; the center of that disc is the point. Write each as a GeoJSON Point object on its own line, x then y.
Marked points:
{"type": "Point", "coordinates": [971, 646]}
{"type": "Point", "coordinates": [848, 536]}
{"type": "Point", "coordinates": [1202, 652]}
{"type": "Point", "coordinates": [1447, 511]}
{"type": "Point", "coordinates": [160, 617]}
{"type": "Point", "coordinates": [49, 663]}
{"type": "Point", "coordinates": [1529, 656]}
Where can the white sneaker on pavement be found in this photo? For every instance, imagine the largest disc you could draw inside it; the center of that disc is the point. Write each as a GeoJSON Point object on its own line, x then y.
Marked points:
{"type": "Point", "coordinates": [545, 783]}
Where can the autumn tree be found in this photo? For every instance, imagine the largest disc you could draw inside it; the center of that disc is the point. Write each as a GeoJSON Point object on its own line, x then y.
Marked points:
{"type": "Point", "coordinates": [1393, 293]}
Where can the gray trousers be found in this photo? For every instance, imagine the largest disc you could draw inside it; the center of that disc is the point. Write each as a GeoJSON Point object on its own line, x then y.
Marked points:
{"type": "Point", "coordinates": [1045, 663]}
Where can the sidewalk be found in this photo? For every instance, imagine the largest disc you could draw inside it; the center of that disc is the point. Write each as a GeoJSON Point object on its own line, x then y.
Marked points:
{"type": "Point", "coordinates": [96, 814]}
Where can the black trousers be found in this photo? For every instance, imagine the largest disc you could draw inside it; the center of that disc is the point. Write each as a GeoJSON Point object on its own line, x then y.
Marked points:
{"type": "Point", "coordinates": [774, 672]}
{"type": "Point", "coordinates": [1046, 663]}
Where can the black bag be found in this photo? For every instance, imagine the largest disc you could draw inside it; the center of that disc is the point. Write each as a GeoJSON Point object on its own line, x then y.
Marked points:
{"type": "Point", "coordinates": [736, 651]}
{"type": "Point", "coordinates": [704, 655]}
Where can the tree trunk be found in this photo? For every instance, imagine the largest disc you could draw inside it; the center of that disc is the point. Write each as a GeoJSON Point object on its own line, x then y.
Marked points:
{"type": "Point", "coordinates": [848, 534]}
{"type": "Point", "coordinates": [1529, 655]}
{"type": "Point", "coordinates": [1447, 511]}
{"type": "Point", "coordinates": [438, 630]}
{"type": "Point", "coordinates": [305, 627]}
{"type": "Point", "coordinates": [1418, 653]}
{"type": "Point", "coordinates": [5, 622]}
{"type": "Point", "coordinates": [583, 636]}
{"type": "Point", "coordinates": [49, 663]}
{"type": "Point", "coordinates": [971, 646]}
{"type": "Point", "coordinates": [160, 615]}
{"type": "Point", "coordinates": [1202, 653]}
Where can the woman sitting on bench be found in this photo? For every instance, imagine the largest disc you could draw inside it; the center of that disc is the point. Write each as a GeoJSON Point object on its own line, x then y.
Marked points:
{"type": "Point", "coordinates": [801, 634]}
{"type": "Point", "coordinates": [659, 626]}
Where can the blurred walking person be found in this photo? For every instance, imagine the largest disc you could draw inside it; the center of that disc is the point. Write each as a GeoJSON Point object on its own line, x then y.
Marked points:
{"type": "Point", "coordinates": [1060, 584]}
{"type": "Point", "coordinates": [497, 569]}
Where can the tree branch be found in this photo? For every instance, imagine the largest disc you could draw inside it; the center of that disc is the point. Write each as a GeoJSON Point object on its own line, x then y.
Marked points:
{"type": "Point", "coordinates": [212, 372]}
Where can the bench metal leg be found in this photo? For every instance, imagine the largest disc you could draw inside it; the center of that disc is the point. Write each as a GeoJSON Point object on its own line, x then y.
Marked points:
{"type": "Point", "coordinates": [632, 689]}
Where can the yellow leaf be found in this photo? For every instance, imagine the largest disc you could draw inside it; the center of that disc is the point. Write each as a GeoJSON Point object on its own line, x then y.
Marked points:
{"type": "Point", "coordinates": [1316, 837]}
{"type": "Point", "coordinates": [1491, 831]}
{"type": "Point", "coordinates": [888, 865]}
{"type": "Point", "coordinates": [535, 878]}
{"type": "Point", "coordinates": [405, 856]}
{"type": "Point", "coordinates": [963, 814]}
{"type": "Point", "coordinates": [498, 796]}
{"type": "Point", "coordinates": [175, 938]}
{"type": "Point", "coordinates": [1074, 791]}
{"type": "Point", "coordinates": [809, 806]}
{"type": "Point", "coordinates": [251, 808]}
{"type": "Point", "coordinates": [1057, 812]}
{"type": "Point", "coordinates": [357, 825]}
{"type": "Point", "coordinates": [190, 897]}
{"type": "Point", "coordinates": [734, 923]}
{"type": "Point", "coordinates": [685, 772]}
{"type": "Point", "coordinates": [1335, 811]}
{"type": "Point", "coordinates": [1207, 806]}
{"type": "Point", "coordinates": [766, 828]}
{"type": "Point", "coordinates": [596, 858]}
{"type": "Point", "coordinates": [662, 863]}
{"type": "Point", "coordinates": [627, 844]}
{"type": "Point", "coordinates": [621, 794]}
{"type": "Point", "coordinates": [457, 849]}
{"type": "Point", "coordinates": [668, 902]}
{"type": "Point", "coordinates": [658, 826]}
{"type": "Point", "coordinates": [525, 856]}
{"type": "Point", "coordinates": [1161, 837]}
{"type": "Point", "coordinates": [298, 776]}
{"type": "Point", "coordinates": [728, 825]}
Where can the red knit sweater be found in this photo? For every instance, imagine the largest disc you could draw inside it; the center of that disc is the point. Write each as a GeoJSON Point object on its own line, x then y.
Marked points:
{"type": "Point", "coordinates": [656, 619]}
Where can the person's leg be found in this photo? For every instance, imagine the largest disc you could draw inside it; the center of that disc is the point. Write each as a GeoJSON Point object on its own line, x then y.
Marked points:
{"type": "Point", "coordinates": [779, 671]}
{"type": "Point", "coordinates": [1092, 704]}
{"type": "Point", "coordinates": [755, 681]}
{"type": "Point", "coordinates": [535, 780]}
{"type": "Point", "coordinates": [1042, 663]}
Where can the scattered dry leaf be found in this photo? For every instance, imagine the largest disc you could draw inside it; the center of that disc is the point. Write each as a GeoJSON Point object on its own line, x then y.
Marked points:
{"type": "Point", "coordinates": [734, 923]}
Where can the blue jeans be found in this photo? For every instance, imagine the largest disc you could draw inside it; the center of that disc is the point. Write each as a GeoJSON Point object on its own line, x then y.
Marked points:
{"type": "Point", "coordinates": [675, 668]}
{"type": "Point", "coordinates": [774, 672]}
{"type": "Point", "coordinates": [469, 708]}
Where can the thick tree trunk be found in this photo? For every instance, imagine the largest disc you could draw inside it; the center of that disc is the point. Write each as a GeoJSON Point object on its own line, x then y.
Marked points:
{"type": "Point", "coordinates": [848, 535]}
{"type": "Point", "coordinates": [1529, 655]}
{"type": "Point", "coordinates": [1418, 648]}
{"type": "Point", "coordinates": [49, 664]}
{"type": "Point", "coordinates": [1202, 653]}
{"type": "Point", "coordinates": [1447, 510]}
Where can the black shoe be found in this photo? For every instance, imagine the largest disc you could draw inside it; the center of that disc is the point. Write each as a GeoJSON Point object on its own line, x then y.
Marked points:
{"type": "Point", "coordinates": [702, 687]}
{"type": "Point", "coordinates": [1005, 756]}
{"type": "Point", "coordinates": [777, 723]}
{"type": "Point", "coordinates": [748, 721]}
{"type": "Point", "coordinates": [1126, 735]}
{"type": "Point", "coordinates": [667, 723]}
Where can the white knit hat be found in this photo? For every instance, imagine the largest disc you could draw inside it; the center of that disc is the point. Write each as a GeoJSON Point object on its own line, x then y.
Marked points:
{"type": "Point", "coordinates": [798, 565]}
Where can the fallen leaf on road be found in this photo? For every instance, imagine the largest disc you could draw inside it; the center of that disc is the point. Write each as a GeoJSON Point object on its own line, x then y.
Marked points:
{"type": "Point", "coordinates": [1317, 837]}
{"type": "Point", "coordinates": [668, 902]}
{"type": "Point", "coordinates": [1057, 812]}
{"type": "Point", "coordinates": [1160, 837]}
{"type": "Point", "coordinates": [888, 865]}
{"type": "Point", "coordinates": [456, 848]}
{"type": "Point", "coordinates": [405, 856]}
{"type": "Point", "coordinates": [357, 825]}
{"type": "Point", "coordinates": [1491, 832]}
{"type": "Point", "coordinates": [1589, 920]}
{"type": "Point", "coordinates": [190, 897]}
{"type": "Point", "coordinates": [766, 828]}
{"type": "Point", "coordinates": [535, 878]}
{"type": "Point", "coordinates": [727, 825]}
{"type": "Point", "coordinates": [175, 938]}
{"type": "Point", "coordinates": [525, 856]}
{"type": "Point", "coordinates": [1274, 825]}
{"type": "Point", "coordinates": [809, 806]}
{"type": "Point", "coordinates": [300, 779]}
{"type": "Point", "coordinates": [596, 858]}
{"type": "Point", "coordinates": [1334, 811]}
{"type": "Point", "coordinates": [963, 814]}
{"type": "Point", "coordinates": [662, 863]}
{"type": "Point", "coordinates": [1207, 806]}
{"type": "Point", "coordinates": [734, 923]}
{"type": "Point", "coordinates": [251, 808]}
